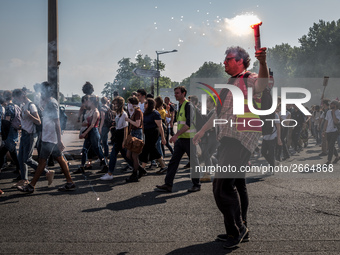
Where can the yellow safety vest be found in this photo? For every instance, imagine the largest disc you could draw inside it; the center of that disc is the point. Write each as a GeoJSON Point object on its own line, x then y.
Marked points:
{"type": "Point", "coordinates": [181, 122]}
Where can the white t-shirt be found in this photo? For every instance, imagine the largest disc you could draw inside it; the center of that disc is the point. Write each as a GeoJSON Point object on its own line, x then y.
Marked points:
{"type": "Point", "coordinates": [50, 115]}
{"type": "Point", "coordinates": [330, 125]}
{"type": "Point", "coordinates": [274, 134]}
{"type": "Point", "coordinates": [26, 123]}
{"type": "Point", "coordinates": [121, 122]}
{"type": "Point", "coordinates": [141, 106]}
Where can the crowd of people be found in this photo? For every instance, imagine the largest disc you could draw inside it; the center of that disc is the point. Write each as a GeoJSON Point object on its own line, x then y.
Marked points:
{"type": "Point", "coordinates": [152, 120]}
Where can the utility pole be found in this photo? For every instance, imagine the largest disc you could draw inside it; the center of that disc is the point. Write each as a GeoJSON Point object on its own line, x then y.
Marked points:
{"type": "Point", "coordinates": [52, 51]}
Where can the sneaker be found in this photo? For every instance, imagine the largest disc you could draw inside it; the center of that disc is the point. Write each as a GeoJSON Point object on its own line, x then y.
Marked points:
{"type": "Point", "coordinates": [224, 237]}
{"type": "Point", "coordinates": [162, 170]}
{"type": "Point", "coordinates": [20, 183]}
{"type": "Point", "coordinates": [336, 160]}
{"type": "Point", "coordinates": [50, 176]}
{"type": "Point", "coordinates": [68, 187]}
{"type": "Point", "coordinates": [153, 163]}
{"type": "Point", "coordinates": [104, 170]}
{"type": "Point", "coordinates": [323, 154]}
{"type": "Point", "coordinates": [232, 242]}
{"type": "Point", "coordinates": [27, 188]}
{"type": "Point", "coordinates": [106, 177]}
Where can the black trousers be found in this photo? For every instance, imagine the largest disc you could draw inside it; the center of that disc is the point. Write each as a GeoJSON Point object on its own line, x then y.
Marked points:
{"type": "Point", "coordinates": [268, 151]}
{"type": "Point", "coordinates": [283, 148]}
{"type": "Point", "coordinates": [332, 137]}
{"type": "Point", "coordinates": [182, 145]}
{"type": "Point", "coordinates": [230, 194]}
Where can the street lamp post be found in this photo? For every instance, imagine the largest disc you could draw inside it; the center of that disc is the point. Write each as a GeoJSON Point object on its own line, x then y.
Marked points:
{"type": "Point", "coordinates": [159, 53]}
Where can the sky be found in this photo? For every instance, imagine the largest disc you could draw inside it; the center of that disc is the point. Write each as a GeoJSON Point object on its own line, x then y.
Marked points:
{"type": "Point", "coordinates": [95, 34]}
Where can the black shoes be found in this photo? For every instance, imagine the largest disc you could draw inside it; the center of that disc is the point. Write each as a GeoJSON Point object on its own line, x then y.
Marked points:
{"type": "Point", "coordinates": [164, 187]}
{"type": "Point", "coordinates": [26, 189]}
{"type": "Point", "coordinates": [104, 170]}
{"type": "Point", "coordinates": [224, 237]}
{"type": "Point", "coordinates": [187, 165]}
{"type": "Point", "coordinates": [132, 178]}
{"type": "Point", "coordinates": [194, 189]}
{"type": "Point", "coordinates": [80, 170]}
{"type": "Point", "coordinates": [142, 172]}
{"type": "Point", "coordinates": [68, 187]}
{"type": "Point", "coordinates": [162, 170]}
{"type": "Point", "coordinates": [232, 242]}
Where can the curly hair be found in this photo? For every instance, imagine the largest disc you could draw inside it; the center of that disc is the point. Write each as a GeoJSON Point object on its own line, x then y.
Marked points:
{"type": "Point", "coordinates": [88, 88]}
{"type": "Point", "coordinates": [240, 53]}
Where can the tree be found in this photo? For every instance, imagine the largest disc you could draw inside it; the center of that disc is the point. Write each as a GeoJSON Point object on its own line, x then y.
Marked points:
{"type": "Point", "coordinates": [127, 82]}
{"type": "Point", "coordinates": [207, 70]}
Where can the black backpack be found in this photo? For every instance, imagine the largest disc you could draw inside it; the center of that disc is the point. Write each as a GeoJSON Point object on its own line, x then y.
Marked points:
{"type": "Point", "coordinates": [266, 104]}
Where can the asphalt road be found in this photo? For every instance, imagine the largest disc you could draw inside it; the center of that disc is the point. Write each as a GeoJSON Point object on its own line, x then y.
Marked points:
{"type": "Point", "coordinates": [296, 213]}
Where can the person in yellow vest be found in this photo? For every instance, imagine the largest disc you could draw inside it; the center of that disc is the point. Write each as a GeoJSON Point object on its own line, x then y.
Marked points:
{"type": "Point", "coordinates": [237, 142]}
{"type": "Point", "coordinates": [183, 141]}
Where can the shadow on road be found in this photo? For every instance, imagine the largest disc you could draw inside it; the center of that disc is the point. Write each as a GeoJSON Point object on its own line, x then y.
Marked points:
{"type": "Point", "coordinates": [205, 248]}
{"type": "Point", "coordinates": [145, 199]}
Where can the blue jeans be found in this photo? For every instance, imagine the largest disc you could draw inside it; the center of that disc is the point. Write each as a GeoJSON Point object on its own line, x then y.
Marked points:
{"type": "Point", "coordinates": [93, 140]}
{"type": "Point", "coordinates": [138, 133]}
{"type": "Point", "coordinates": [117, 147]}
{"type": "Point", "coordinates": [27, 144]}
{"type": "Point", "coordinates": [10, 145]}
{"type": "Point", "coordinates": [159, 146]}
{"type": "Point", "coordinates": [104, 138]}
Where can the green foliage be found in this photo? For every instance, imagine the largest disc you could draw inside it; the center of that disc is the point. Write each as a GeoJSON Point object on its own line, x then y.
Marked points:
{"type": "Point", "coordinates": [126, 82]}
{"type": "Point", "coordinates": [207, 70]}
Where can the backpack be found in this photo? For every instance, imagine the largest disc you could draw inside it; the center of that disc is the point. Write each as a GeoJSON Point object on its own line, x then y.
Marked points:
{"type": "Point", "coordinates": [266, 104]}
{"type": "Point", "coordinates": [38, 128]}
{"type": "Point", "coordinates": [16, 120]}
{"type": "Point", "coordinates": [109, 120]}
{"type": "Point", "coordinates": [62, 118]}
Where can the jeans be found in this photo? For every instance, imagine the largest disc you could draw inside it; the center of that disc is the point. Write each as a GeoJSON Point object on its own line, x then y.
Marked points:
{"type": "Point", "coordinates": [27, 144]}
{"type": "Point", "coordinates": [284, 148]}
{"type": "Point", "coordinates": [159, 146]}
{"type": "Point", "coordinates": [10, 145]}
{"type": "Point", "coordinates": [93, 141]}
{"type": "Point", "coordinates": [104, 139]}
{"type": "Point", "coordinates": [138, 133]}
{"type": "Point", "coordinates": [167, 135]}
{"type": "Point", "coordinates": [117, 147]}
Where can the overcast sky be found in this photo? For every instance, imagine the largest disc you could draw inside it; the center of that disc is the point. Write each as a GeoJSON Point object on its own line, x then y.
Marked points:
{"type": "Point", "coordinates": [95, 34]}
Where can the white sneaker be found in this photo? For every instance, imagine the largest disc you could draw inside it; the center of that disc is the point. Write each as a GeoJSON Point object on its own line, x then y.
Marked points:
{"type": "Point", "coordinates": [106, 177]}
{"type": "Point", "coordinates": [50, 176]}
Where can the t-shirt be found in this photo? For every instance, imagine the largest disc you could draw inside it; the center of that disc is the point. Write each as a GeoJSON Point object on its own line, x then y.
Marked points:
{"type": "Point", "coordinates": [330, 124]}
{"type": "Point", "coordinates": [274, 134]}
{"type": "Point", "coordinates": [149, 119]}
{"type": "Point", "coordinates": [137, 115]}
{"type": "Point", "coordinates": [162, 112]}
{"type": "Point", "coordinates": [120, 121]}
{"type": "Point", "coordinates": [26, 123]}
{"type": "Point", "coordinates": [141, 106]}
{"type": "Point", "coordinates": [50, 114]}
